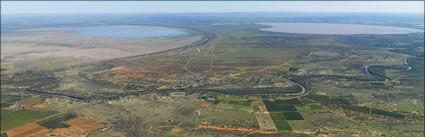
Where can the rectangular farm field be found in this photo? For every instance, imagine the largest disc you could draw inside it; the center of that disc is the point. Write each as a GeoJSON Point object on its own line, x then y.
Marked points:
{"type": "Point", "coordinates": [277, 116]}
{"type": "Point", "coordinates": [275, 107]}
{"type": "Point", "coordinates": [282, 125]}
{"type": "Point", "coordinates": [300, 125]}
{"type": "Point", "coordinates": [280, 108]}
{"type": "Point", "coordinates": [286, 107]}
{"type": "Point", "coordinates": [319, 98]}
{"type": "Point", "coordinates": [293, 101]}
{"type": "Point", "coordinates": [57, 121]}
{"type": "Point", "coordinates": [18, 118]}
{"type": "Point", "coordinates": [316, 107]}
{"type": "Point", "coordinates": [240, 102]}
{"type": "Point", "coordinates": [293, 116]}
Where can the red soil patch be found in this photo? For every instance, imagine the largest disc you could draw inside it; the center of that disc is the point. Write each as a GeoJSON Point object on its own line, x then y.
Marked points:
{"type": "Point", "coordinates": [79, 126]}
{"type": "Point", "coordinates": [27, 130]}
{"type": "Point", "coordinates": [163, 87]}
{"type": "Point", "coordinates": [28, 102]}
{"type": "Point", "coordinates": [41, 105]}
{"type": "Point", "coordinates": [332, 106]}
{"type": "Point", "coordinates": [205, 104]}
{"type": "Point", "coordinates": [83, 123]}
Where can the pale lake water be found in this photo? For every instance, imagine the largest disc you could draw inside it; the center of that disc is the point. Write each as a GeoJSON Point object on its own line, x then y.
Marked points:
{"type": "Point", "coordinates": [331, 28]}
{"type": "Point", "coordinates": [131, 31]}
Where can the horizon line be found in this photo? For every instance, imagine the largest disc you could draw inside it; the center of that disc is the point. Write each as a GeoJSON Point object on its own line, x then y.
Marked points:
{"type": "Point", "coordinates": [45, 13]}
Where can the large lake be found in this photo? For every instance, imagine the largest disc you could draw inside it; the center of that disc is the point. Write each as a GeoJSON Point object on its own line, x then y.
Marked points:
{"type": "Point", "coordinates": [331, 28]}
{"type": "Point", "coordinates": [131, 31]}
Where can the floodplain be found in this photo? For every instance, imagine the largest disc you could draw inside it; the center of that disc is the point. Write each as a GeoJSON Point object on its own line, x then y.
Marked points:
{"type": "Point", "coordinates": [227, 79]}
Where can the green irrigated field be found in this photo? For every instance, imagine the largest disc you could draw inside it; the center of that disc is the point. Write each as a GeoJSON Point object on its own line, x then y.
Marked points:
{"type": "Point", "coordinates": [277, 116]}
{"type": "Point", "coordinates": [319, 98]}
{"type": "Point", "coordinates": [18, 118]}
{"type": "Point", "coordinates": [290, 101]}
{"type": "Point", "coordinates": [4, 112]}
{"type": "Point", "coordinates": [57, 121]}
{"type": "Point", "coordinates": [293, 116]}
{"type": "Point", "coordinates": [240, 102]}
{"type": "Point", "coordinates": [282, 125]}
{"type": "Point", "coordinates": [315, 107]}
{"type": "Point", "coordinates": [281, 105]}
{"type": "Point", "coordinates": [49, 113]}
{"type": "Point", "coordinates": [386, 113]}
{"type": "Point", "coordinates": [374, 111]}
{"type": "Point", "coordinates": [286, 107]}
{"type": "Point", "coordinates": [272, 107]}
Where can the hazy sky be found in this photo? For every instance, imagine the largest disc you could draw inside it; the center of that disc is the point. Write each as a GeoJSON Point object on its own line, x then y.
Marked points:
{"type": "Point", "coordinates": [10, 7]}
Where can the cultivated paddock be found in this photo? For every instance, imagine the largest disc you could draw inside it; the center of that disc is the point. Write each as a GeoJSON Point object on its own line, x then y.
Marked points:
{"type": "Point", "coordinates": [27, 130]}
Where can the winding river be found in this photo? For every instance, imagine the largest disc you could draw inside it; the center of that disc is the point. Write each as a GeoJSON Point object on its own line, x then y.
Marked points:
{"type": "Point", "coordinates": [406, 62]}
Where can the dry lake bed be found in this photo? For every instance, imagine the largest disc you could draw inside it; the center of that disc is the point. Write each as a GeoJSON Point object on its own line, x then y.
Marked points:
{"type": "Point", "coordinates": [86, 44]}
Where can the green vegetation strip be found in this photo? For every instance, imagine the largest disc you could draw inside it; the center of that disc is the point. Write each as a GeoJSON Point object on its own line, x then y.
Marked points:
{"type": "Point", "coordinates": [293, 116]}
{"type": "Point", "coordinates": [374, 111]}
{"type": "Point", "coordinates": [49, 113]}
{"type": "Point", "coordinates": [319, 98]}
{"type": "Point", "coordinates": [4, 112]}
{"type": "Point", "coordinates": [316, 107]}
{"type": "Point", "coordinates": [56, 121]}
{"type": "Point", "coordinates": [240, 102]}
{"type": "Point", "coordinates": [18, 118]}
{"type": "Point", "coordinates": [293, 101]}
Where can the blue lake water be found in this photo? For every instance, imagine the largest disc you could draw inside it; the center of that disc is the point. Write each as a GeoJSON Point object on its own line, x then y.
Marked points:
{"type": "Point", "coordinates": [332, 28]}
{"type": "Point", "coordinates": [131, 31]}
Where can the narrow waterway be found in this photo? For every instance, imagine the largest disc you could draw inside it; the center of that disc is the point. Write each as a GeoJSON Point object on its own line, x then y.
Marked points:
{"type": "Point", "coordinates": [406, 62]}
{"type": "Point", "coordinates": [367, 70]}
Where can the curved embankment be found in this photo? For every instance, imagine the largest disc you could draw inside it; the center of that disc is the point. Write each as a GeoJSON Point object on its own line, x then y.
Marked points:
{"type": "Point", "coordinates": [375, 74]}
{"type": "Point", "coordinates": [290, 92]}
{"type": "Point", "coordinates": [399, 67]}
{"type": "Point", "coordinates": [113, 97]}
{"type": "Point", "coordinates": [303, 88]}
{"type": "Point", "coordinates": [138, 93]}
